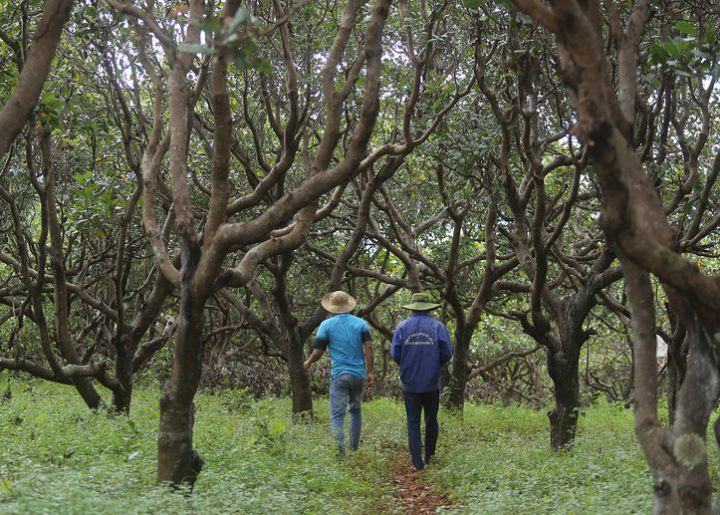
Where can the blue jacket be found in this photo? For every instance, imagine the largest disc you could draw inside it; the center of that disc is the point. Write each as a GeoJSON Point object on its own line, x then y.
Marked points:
{"type": "Point", "coordinates": [421, 346]}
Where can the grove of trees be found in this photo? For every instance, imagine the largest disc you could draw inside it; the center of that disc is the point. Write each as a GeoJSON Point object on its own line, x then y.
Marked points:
{"type": "Point", "coordinates": [181, 182]}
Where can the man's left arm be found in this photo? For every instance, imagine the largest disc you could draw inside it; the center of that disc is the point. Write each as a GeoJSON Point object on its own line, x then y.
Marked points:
{"type": "Point", "coordinates": [369, 362]}
{"type": "Point", "coordinates": [369, 356]}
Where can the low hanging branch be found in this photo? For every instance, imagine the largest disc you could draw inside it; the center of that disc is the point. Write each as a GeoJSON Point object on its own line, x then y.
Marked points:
{"type": "Point", "coordinates": [482, 370]}
{"type": "Point", "coordinates": [35, 70]}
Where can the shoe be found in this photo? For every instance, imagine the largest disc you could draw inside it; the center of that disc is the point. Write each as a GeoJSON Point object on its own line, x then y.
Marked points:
{"type": "Point", "coordinates": [418, 469]}
{"type": "Point", "coordinates": [430, 459]}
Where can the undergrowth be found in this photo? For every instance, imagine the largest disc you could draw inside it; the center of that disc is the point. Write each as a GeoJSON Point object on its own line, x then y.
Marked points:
{"type": "Point", "coordinates": [58, 457]}
{"type": "Point", "coordinates": [498, 460]}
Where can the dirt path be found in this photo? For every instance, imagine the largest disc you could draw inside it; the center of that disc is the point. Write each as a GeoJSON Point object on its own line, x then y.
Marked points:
{"type": "Point", "coordinates": [414, 493]}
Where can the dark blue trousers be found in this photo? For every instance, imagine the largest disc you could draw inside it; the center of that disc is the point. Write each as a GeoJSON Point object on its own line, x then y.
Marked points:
{"type": "Point", "coordinates": [427, 403]}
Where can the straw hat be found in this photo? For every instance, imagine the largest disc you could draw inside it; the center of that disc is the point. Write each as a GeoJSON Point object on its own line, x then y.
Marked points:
{"type": "Point", "coordinates": [421, 302]}
{"type": "Point", "coordinates": [338, 302]}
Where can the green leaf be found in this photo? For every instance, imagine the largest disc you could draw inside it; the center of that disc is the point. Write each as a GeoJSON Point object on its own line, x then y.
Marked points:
{"type": "Point", "coordinates": [709, 36]}
{"type": "Point", "coordinates": [278, 428]}
{"type": "Point", "coordinates": [194, 48]}
{"type": "Point", "coordinates": [684, 44]}
{"type": "Point", "coordinates": [263, 65]}
{"type": "Point", "coordinates": [231, 38]}
{"type": "Point", "coordinates": [240, 61]}
{"type": "Point", "coordinates": [471, 4]}
{"type": "Point", "coordinates": [7, 488]}
{"type": "Point", "coordinates": [241, 16]}
{"type": "Point", "coordinates": [672, 49]}
{"type": "Point", "coordinates": [659, 53]}
{"type": "Point", "coordinates": [702, 54]}
{"type": "Point", "coordinates": [686, 28]}
{"type": "Point", "coordinates": [211, 24]}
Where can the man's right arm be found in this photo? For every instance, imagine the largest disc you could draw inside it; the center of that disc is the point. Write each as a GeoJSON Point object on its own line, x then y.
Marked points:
{"type": "Point", "coordinates": [319, 346]}
{"type": "Point", "coordinates": [316, 355]}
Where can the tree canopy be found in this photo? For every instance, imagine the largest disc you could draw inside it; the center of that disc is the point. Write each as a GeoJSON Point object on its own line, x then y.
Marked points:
{"type": "Point", "coordinates": [181, 183]}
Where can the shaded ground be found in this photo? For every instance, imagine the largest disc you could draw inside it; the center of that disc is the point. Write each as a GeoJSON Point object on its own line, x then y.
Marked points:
{"type": "Point", "coordinates": [414, 493]}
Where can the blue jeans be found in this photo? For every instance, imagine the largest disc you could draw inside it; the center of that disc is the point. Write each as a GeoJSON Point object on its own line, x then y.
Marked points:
{"type": "Point", "coordinates": [429, 402]}
{"type": "Point", "coordinates": [346, 389]}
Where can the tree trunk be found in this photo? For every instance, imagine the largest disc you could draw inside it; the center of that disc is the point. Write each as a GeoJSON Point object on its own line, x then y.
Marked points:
{"type": "Point", "coordinates": [564, 372]}
{"type": "Point", "coordinates": [124, 354]}
{"type": "Point", "coordinates": [178, 462]}
{"type": "Point", "coordinates": [676, 369]}
{"type": "Point", "coordinates": [673, 385]}
{"type": "Point", "coordinates": [127, 341]}
{"type": "Point", "coordinates": [294, 336]}
{"type": "Point", "coordinates": [677, 456]}
{"type": "Point", "coordinates": [87, 391]}
{"type": "Point", "coordinates": [716, 428]}
{"type": "Point", "coordinates": [683, 485]}
{"type": "Point", "coordinates": [455, 399]}
{"type": "Point", "coordinates": [61, 296]}
{"type": "Point", "coordinates": [299, 378]}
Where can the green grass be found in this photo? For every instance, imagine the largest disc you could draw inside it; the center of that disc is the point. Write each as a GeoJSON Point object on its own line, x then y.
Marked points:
{"type": "Point", "coordinates": [57, 457]}
{"type": "Point", "coordinates": [499, 461]}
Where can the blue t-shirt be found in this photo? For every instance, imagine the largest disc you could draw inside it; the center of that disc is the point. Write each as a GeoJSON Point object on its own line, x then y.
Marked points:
{"type": "Point", "coordinates": [344, 335]}
{"type": "Point", "coordinates": [421, 346]}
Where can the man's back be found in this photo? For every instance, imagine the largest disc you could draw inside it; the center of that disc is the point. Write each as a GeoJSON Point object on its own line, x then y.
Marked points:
{"type": "Point", "coordinates": [344, 335]}
{"type": "Point", "coordinates": [421, 346]}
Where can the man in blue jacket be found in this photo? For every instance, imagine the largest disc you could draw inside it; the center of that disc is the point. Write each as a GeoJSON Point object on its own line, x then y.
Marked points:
{"type": "Point", "coordinates": [348, 339]}
{"type": "Point", "coordinates": [421, 346]}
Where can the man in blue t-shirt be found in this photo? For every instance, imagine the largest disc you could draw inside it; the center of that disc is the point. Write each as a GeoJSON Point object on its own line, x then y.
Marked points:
{"type": "Point", "coordinates": [348, 339]}
{"type": "Point", "coordinates": [421, 346]}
